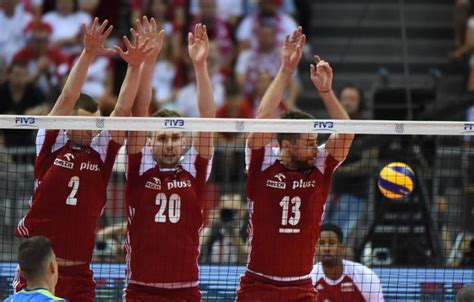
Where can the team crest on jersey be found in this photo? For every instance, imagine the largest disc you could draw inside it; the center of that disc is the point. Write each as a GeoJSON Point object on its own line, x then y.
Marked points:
{"type": "Point", "coordinates": [279, 183]}
{"type": "Point", "coordinates": [154, 185]}
{"type": "Point", "coordinates": [347, 287]}
{"type": "Point", "coordinates": [65, 163]}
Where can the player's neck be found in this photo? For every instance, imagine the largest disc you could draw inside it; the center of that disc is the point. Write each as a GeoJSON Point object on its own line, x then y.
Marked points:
{"type": "Point", "coordinates": [44, 284]}
{"type": "Point", "coordinates": [334, 272]}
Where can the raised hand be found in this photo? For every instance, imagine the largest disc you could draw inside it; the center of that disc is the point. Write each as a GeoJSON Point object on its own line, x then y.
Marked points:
{"type": "Point", "coordinates": [134, 54]}
{"type": "Point", "coordinates": [147, 29]}
{"type": "Point", "coordinates": [292, 50]}
{"type": "Point", "coordinates": [94, 38]}
{"type": "Point", "coordinates": [198, 45]}
{"type": "Point", "coordinates": [321, 75]}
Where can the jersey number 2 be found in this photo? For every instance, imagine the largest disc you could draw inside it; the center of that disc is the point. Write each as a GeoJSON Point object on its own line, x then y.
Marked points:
{"type": "Point", "coordinates": [174, 208]}
{"type": "Point", "coordinates": [295, 204]}
{"type": "Point", "coordinates": [74, 184]}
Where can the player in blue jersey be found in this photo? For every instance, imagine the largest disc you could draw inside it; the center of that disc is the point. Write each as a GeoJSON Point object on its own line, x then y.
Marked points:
{"type": "Point", "coordinates": [39, 267]}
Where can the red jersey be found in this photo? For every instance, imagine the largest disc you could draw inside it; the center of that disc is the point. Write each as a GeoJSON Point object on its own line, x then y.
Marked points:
{"type": "Point", "coordinates": [358, 283]}
{"type": "Point", "coordinates": [70, 192]}
{"type": "Point", "coordinates": [165, 216]}
{"type": "Point", "coordinates": [286, 208]}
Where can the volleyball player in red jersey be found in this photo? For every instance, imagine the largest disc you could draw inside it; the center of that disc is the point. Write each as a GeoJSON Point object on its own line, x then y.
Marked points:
{"type": "Point", "coordinates": [165, 192]}
{"type": "Point", "coordinates": [73, 168]}
{"type": "Point", "coordinates": [287, 188]}
{"type": "Point", "coordinates": [340, 280]}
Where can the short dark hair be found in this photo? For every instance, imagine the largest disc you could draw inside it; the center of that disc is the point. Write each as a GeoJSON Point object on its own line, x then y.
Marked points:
{"type": "Point", "coordinates": [166, 113]}
{"type": "Point", "coordinates": [87, 103]}
{"type": "Point", "coordinates": [292, 115]}
{"type": "Point", "coordinates": [33, 255]}
{"type": "Point", "coordinates": [465, 294]}
{"type": "Point", "coordinates": [331, 227]}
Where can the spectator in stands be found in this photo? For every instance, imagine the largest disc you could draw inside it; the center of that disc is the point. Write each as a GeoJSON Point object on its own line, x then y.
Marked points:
{"type": "Point", "coordinates": [467, 47]}
{"type": "Point", "coordinates": [13, 21]}
{"type": "Point", "coordinates": [465, 294]}
{"type": "Point", "coordinates": [228, 10]}
{"type": "Point", "coordinates": [217, 29]}
{"type": "Point", "coordinates": [246, 31]}
{"type": "Point", "coordinates": [46, 63]}
{"type": "Point", "coordinates": [265, 57]}
{"type": "Point", "coordinates": [66, 21]}
{"type": "Point", "coordinates": [165, 16]}
{"type": "Point", "coordinates": [461, 14]}
{"type": "Point", "coordinates": [222, 241]}
{"type": "Point", "coordinates": [348, 200]}
{"type": "Point", "coordinates": [177, 15]}
{"type": "Point", "coordinates": [164, 76]}
{"type": "Point", "coordinates": [337, 279]}
{"type": "Point", "coordinates": [18, 96]}
{"type": "Point", "coordinates": [38, 266]}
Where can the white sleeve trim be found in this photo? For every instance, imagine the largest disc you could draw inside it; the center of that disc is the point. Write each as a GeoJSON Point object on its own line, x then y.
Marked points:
{"type": "Point", "coordinates": [320, 161]}
{"type": "Point", "coordinates": [270, 156]}
{"type": "Point", "coordinates": [188, 162]}
{"type": "Point", "coordinates": [366, 281]}
{"type": "Point", "coordinates": [100, 143]}
{"type": "Point", "coordinates": [61, 140]}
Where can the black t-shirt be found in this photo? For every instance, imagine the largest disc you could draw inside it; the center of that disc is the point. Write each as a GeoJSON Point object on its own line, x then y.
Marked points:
{"type": "Point", "coordinates": [31, 97]}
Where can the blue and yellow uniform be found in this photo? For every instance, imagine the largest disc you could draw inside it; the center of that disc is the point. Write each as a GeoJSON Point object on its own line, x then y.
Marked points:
{"type": "Point", "coordinates": [33, 295]}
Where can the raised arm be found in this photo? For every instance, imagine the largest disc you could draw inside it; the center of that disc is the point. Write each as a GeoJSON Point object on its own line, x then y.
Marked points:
{"type": "Point", "coordinates": [146, 29]}
{"type": "Point", "coordinates": [94, 39]}
{"type": "Point", "coordinates": [198, 48]}
{"type": "Point", "coordinates": [290, 57]}
{"type": "Point", "coordinates": [134, 56]}
{"type": "Point", "coordinates": [338, 144]}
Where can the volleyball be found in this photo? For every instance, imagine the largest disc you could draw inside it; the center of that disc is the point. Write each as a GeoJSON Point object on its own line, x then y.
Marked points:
{"type": "Point", "coordinates": [396, 180]}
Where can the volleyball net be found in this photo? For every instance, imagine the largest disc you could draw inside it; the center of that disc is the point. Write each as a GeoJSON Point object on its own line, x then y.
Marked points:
{"type": "Point", "coordinates": [403, 198]}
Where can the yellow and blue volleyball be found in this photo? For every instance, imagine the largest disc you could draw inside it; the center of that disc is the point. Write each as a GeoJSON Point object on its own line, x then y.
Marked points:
{"type": "Point", "coordinates": [396, 180]}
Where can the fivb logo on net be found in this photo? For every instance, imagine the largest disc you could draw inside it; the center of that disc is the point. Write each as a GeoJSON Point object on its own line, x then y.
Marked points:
{"type": "Point", "coordinates": [468, 128]}
{"type": "Point", "coordinates": [25, 121]}
{"type": "Point", "coordinates": [174, 123]}
{"type": "Point", "coordinates": [323, 125]}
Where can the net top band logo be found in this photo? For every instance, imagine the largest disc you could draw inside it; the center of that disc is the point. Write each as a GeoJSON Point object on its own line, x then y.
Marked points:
{"type": "Point", "coordinates": [174, 124]}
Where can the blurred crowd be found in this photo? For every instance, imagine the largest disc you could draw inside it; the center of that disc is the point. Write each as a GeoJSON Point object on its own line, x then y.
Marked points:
{"type": "Point", "coordinates": [41, 39]}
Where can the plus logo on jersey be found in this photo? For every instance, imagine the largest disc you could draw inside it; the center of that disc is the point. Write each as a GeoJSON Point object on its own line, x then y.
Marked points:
{"type": "Point", "coordinates": [180, 184]}
{"type": "Point", "coordinates": [89, 166]}
{"type": "Point", "coordinates": [65, 163]}
{"type": "Point", "coordinates": [280, 184]}
{"type": "Point", "coordinates": [300, 184]}
{"type": "Point", "coordinates": [154, 185]}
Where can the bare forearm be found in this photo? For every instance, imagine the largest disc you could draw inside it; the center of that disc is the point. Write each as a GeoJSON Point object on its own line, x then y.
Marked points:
{"type": "Point", "coordinates": [272, 97]}
{"type": "Point", "coordinates": [144, 93]}
{"type": "Point", "coordinates": [334, 108]}
{"type": "Point", "coordinates": [206, 105]}
{"type": "Point", "coordinates": [78, 75]}
{"type": "Point", "coordinates": [128, 92]}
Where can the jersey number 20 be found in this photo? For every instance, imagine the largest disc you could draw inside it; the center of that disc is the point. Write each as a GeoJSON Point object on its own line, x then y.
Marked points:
{"type": "Point", "coordinates": [173, 204]}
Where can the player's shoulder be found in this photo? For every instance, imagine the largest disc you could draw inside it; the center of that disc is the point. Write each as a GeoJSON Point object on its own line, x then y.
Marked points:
{"type": "Point", "coordinates": [358, 271]}
{"type": "Point", "coordinates": [317, 272]}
